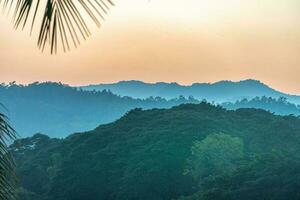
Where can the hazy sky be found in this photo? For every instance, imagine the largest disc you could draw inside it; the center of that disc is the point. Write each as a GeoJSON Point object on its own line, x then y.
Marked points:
{"type": "Point", "coordinates": [173, 41]}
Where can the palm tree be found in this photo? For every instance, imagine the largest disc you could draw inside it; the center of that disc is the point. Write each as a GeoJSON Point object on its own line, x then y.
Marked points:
{"type": "Point", "coordinates": [7, 172]}
{"type": "Point", "coordinates": [61, 21]}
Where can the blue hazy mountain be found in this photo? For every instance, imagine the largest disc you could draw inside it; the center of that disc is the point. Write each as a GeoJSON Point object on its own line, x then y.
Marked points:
{"type": "Point", "coordinates": [278, 106]}
{"type": "Point", "coordinates": [222, 91]}
{"type": "Point", "coordinates": [58, 110]}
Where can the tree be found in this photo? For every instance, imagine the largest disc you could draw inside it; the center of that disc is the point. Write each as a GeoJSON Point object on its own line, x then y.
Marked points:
{"type": "Point", "coordinates": [214, 155]}
{"type": "Point", "coordinates": [61, 21]}
{"type": "Point", "coordinates": [7, 173]}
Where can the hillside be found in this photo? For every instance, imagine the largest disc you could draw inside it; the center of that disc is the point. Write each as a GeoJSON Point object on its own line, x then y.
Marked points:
{"type": "Point", "coordinates": [278, 106]}
{"type": "Point", "coordinates": [59, 110]}
{"type": "Point", "coordinates": [219, 92]}
{"type": "Point", "coordinates": [186, 152]}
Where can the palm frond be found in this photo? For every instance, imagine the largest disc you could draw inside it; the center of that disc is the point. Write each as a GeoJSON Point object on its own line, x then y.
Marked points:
{"type": "Point", "coordinates": [7, 166]}
{"type": "Point", "coordinates": [62, 22]}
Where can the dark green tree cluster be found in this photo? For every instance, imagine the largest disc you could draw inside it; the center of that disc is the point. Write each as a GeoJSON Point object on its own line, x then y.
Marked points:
{"type": "Point", "coordinates": [214, 155]}
{"type": "Point", "coordinates": [186, 152]}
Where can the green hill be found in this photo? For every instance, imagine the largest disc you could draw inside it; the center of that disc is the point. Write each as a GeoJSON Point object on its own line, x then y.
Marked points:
{"type": "Point", "coordinates": [186, 152]}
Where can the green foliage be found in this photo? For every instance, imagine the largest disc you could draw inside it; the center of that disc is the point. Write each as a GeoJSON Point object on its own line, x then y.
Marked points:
{"type": "Point", "coordinates": [7, 166]}
{"type": "Point", "coordinates": [214, 155]}
{"type": "Point", "coordinates": [144, 155]}
{"type": "Point", "coordinates": [27, 195]}
{"type": "Point", "coordinates": [268, 176]}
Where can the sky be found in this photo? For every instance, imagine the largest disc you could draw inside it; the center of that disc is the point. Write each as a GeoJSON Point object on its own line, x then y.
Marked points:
{"type": "Point", "coordinates": [170, 40]}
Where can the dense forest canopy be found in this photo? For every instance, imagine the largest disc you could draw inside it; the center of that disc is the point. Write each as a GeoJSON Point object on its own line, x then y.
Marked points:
{"type": "Point", "coordinates": [133, 140]}
{"type": "Point", "coordinates": [159, 154]}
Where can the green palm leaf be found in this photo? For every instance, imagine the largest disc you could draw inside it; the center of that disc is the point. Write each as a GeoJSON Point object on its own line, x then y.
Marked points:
{"type": "Point", "coordinates": [62, 22]}
{"type": "Point", "coordinates": [7, 166]}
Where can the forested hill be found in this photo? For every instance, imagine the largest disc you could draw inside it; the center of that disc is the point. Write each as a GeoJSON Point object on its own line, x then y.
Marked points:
{"type": "Point", "coordinates": [59, 110]}
{"type": "Point", "coordinates": [278, 106]}
{"type": "Point", "coordinates": [189, 152]}
{"type": "Point", "coordinates": [219, 92]}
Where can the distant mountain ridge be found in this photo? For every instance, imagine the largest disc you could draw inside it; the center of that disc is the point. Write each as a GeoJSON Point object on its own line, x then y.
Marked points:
{"type": "Point", "coordinates": [221, 91]}
{"type": "Point", "coordinates": [59, 110]}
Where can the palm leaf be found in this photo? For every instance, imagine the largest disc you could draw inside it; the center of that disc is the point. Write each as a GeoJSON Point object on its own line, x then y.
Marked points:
{"type": "Point", "coordinates": [63, 22]}
{"type": "Point", "coordinates": [7, 166]}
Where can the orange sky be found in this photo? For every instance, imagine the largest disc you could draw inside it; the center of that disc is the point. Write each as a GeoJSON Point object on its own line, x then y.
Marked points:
{"type": "Point", "coordinates": [173, 41]}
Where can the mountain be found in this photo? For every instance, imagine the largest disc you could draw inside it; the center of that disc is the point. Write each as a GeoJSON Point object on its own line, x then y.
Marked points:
{"type": "Point", "coordinates": [219, 92]}
{"type": "Point", "coordinates": [188, 152]}
{"type": "Point", "coordinates": [59, 110]}
{"type": "Point", "coordinates": [278, 106]}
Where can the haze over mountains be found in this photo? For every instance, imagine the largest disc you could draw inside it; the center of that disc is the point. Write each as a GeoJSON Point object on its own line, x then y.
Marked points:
{"type": "Point", "coordinates": [58, 110]}
{"type": "Point", "coordinates": [192, 151]}
{"type": "Point", "coordinates": [221, 91]}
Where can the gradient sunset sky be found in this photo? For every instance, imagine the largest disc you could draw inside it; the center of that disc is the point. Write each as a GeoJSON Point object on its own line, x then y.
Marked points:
{"type": "Point", "coordinates": [172, 41]}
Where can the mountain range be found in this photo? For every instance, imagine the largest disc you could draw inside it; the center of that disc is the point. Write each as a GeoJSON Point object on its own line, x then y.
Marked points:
{"type": "Point", "coordinates": [58, 110]}
{"type": "Point", "coordinates": [222, 91]}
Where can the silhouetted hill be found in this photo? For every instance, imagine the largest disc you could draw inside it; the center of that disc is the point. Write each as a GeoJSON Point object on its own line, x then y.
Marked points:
{"type": "Point", "coordinates": [278, 106]}
{"type": "Point", "coordinates": [198, 152]}
{"type": "Point", "coordinates": [59, 110]}
{"type": "Point", "coordinates": [219, 92]}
